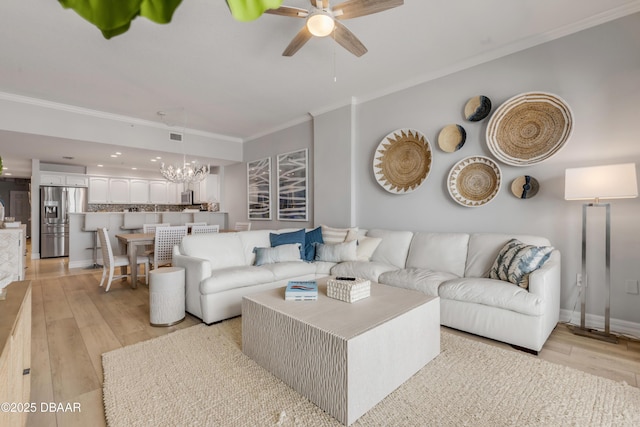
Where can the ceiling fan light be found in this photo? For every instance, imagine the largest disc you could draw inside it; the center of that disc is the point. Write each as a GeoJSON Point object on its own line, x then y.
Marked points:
{"type": "Point", "coordinates": [320, 24]}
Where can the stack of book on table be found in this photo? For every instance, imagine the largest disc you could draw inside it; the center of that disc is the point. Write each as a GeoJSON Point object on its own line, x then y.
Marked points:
{"type": "Point", "coordinates": [306, 290]}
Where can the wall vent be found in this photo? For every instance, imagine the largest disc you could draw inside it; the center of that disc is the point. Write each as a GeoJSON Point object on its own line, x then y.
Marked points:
{"type": "Point", "coordinates": [175, 136]}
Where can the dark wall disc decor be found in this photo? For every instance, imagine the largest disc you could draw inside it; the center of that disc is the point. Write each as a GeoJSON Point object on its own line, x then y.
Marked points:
{"type": "Point", "coordinates": [452, 138]}
{"type": "Point", "coordinates": [525, 187]}
{"type": "Point", "coordinates": [402, 161]}
{"type": "Point", "coordinates": [477, 108]}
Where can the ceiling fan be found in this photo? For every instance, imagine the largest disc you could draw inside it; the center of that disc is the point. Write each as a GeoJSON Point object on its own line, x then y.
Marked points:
{"type": "Point", "coordinates": [323, 20]}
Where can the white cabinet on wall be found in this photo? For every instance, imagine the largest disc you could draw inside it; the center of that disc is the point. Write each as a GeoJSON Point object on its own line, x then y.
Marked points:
{"type": "Point", "coordinates": [118, 190]}
{"type": "Point", "coordinates": [98, 189]}
{"type": "Point", "coordinates": [59, 179]}
{"type": "Point", "coordinates": [158, 192]}
{"type": "Point", "coordinates": [173, 193]}
{"type": "Point", "coordinates": [138, 191]}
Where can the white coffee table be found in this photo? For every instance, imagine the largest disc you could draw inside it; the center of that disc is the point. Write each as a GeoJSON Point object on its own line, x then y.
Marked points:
{"type": "Point", "coordinates": [344, 357]}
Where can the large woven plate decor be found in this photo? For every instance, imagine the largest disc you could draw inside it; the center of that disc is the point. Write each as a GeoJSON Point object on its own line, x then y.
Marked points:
{"type": "Point", "coordinates": [402, 161]}
{"type": "Point", "coordinates": [474, 181]}
{"type": "Point", "coordinates": [529, 128]}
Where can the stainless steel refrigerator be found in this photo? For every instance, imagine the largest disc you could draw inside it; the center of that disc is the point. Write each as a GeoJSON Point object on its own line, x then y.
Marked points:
{"type": "Point", "coordinates": [56, 203]}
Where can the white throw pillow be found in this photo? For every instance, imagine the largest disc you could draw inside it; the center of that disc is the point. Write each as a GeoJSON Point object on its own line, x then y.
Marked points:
{"type": "Point", "coordinates": [336, 252]}
{"type": "Point", "coordinates": [338, 235]}
{"type": "Point", "coordinates": [366, 247]}
{"type": "Point", "coordinates": [281, 253]}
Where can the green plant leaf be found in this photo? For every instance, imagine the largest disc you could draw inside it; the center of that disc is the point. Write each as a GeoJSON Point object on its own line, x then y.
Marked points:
{"type": "Point", "coordinates": [113, 17]}
{"type": "Point", "coordinates": [248, 10]}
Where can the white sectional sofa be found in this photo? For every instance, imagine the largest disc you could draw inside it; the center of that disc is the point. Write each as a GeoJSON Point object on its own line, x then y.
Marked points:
{"type": "Point", "coordinates": [220, 270]}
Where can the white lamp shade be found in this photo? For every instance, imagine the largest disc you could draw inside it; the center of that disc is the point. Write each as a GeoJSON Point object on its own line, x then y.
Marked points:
{"type": "Point", "coordinates": [601, 182]}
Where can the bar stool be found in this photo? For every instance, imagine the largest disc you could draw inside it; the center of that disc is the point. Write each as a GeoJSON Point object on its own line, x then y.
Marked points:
{"type": "Point", "coordinates": [94, 221]}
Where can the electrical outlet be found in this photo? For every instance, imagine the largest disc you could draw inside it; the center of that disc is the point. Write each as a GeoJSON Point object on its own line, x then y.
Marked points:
{"type": "Point", "coordinates": [579, 280]}
{"type": "Point", "coordinates": [632, 287]}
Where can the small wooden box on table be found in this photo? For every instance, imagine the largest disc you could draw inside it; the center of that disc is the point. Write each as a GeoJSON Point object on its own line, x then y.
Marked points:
{"type": "Point", "coordinates": [344, 357]}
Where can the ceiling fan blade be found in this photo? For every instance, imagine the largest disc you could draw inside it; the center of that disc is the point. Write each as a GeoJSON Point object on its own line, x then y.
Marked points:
{"type": "Point", "coordinates": [348, 40]}
{"type": "Point", "coordinates": [298, 41]}
{"type": "Point", "coordinates": [294, 12]}
{"type": "Point", "coordinates": [355, 8]}
{"type": "Point", "coordinates": [320, 4]}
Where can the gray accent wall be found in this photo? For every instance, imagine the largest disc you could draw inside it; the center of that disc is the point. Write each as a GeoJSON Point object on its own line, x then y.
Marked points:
{"type": "Point", "coordinates": [294, 138]}
{"type": "Point", "coordinates": [596, 71]}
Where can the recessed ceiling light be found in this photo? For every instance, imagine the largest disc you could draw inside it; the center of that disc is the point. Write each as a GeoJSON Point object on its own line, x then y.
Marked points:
{"type": "Point", "coordinates": [134, 168]}
{"type": "Point", "coordinates": [114, 155]}
{"type": "Point", "coordinates": [153, 160]}
{"type": "Point", "coordinates": [99, 166]}
{"type": "Point", "coordinates": [7, 174]}
{"type": "Point", "coordinates": [118, 153]}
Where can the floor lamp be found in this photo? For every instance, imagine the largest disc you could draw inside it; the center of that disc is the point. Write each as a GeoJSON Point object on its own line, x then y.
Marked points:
{"type": "Point", "coordinates": [596, 183]}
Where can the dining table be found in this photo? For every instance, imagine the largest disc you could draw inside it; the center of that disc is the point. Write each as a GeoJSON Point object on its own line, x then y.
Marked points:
{"type": "Point", "coordinates": [129, 243]}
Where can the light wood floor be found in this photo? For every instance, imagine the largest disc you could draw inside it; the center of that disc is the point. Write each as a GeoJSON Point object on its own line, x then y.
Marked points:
{"type": "Point", "coordinates": [75, 321]}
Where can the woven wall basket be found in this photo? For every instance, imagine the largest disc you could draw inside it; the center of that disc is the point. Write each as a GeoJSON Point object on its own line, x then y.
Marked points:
{"type": "Point", "coordinates": [474, 181]}
{"type": "Point", "coordinates": [529, 128]}
{"type": "Point", "coordinates": [402, 161]}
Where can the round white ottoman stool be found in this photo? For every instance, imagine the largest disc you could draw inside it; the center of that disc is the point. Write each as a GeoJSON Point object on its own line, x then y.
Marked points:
{"type": "Point", "coordinates": [166, 296]}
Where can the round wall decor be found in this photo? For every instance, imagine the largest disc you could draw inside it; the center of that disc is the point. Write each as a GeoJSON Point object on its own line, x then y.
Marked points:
{"type": "Point", "coordinates": [402, 161]}
{"type": "Point", "coordinates": [529, 128]}
{"type": "Point", "coordinates": [477, 108]}
{"type": "Point", "coordinates": [525, 187]}
{"type": "Point", "coordinates": [452, 138]}
{"type": "Point", "coordinates": [474, 181]}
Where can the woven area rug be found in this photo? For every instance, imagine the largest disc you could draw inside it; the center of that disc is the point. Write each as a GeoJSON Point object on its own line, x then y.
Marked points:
{"type": "Point", "coordinates": [199, 377]}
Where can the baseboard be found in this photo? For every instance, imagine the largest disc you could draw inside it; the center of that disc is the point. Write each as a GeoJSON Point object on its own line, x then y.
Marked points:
{"type": "Point", "coordinates": [81, 263]}
{"type": "Point", "coordinates": [622, 327]}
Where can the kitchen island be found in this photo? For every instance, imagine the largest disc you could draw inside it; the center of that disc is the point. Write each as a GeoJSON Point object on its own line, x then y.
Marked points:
{"type": "Point", "coordinates": [81, 241]}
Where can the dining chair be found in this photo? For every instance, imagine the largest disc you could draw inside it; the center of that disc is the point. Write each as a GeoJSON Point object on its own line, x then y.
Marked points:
{"type": "Point", "coordinates": [151, 228]}
{"type": "Point", "coordinates": [202, 229]}
{"type": "Point", "coordinates": [111, 261]}
{"type": "Point", "coordinates": [166, 239]}
{"type": "Point", "coordinates": [243, 226]}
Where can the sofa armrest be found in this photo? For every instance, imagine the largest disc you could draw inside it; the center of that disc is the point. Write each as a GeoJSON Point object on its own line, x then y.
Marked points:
{"type": "Point", "coordinates": [196, 270]}
{"type": "Point", "coordinates": [545, 283]}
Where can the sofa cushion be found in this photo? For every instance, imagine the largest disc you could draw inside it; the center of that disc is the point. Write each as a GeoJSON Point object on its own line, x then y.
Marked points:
{"type": "Point", "coordinates": [312, 237]}
{"type": "Point", "coordinates": [280, 253]}
{"type": "Point", "coordinates": [366, 270]}
{"type": "Point", "coordinates": [294, 237]}
{"type": "Point", "coordinates": [419, 279]}
{"type": "Point", "coordinates": [338, 235]}
{"type": "Point", "coordinates": [323, 268]}
{"type": "Point", "coordinates": [222, 250]}
{"type": "Point", "coordinates": [394, 246]}
{"type": "Point", "coordinates": [484, 248]}
{"type": "Point", "coordinates": [446, 252]}
{"type": "Point", "coordinates": [252, 239]}
{"type": "Point", "coordinates": [366, 247]}
{"type": "Point", "coordinates": [235, 277]}
{"type": "Point", "coordinates": [516, 260]}
{"type": "Point", "coordinates": [493, 293]}
{"type": "Point", "coordinates": [287, 270]}
{"type": "Point", "coordinates": [336, 252]}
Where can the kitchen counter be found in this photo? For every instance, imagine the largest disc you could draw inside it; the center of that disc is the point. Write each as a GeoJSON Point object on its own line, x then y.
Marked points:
{"type": "Point", "coordinates": [81, 240]}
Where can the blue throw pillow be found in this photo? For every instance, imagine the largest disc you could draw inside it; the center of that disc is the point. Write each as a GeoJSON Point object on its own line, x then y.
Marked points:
{"type": "Point", "coordinates": [289, 238]}
{"type": "Point", "coordinates": [312, 237]}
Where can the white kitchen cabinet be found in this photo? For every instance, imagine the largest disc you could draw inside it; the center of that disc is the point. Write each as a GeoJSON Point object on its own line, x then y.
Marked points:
{"type": "Point", "coordinates": [138, 191]}
{"type": "Point", "coordinates": [60, 179]}
{"type": "Point", "coordinates": [173, 193]}
{"type": "Point", "coordinates": [118, 190]}
{"type": "Point", "coordinates": [98, 189]}
{"type": "Point", "coordinates": [76, 181]}
{"type": "Point", "coordinates": [158, 192]}
{"type": "Point", "coordinates": [52, 179]}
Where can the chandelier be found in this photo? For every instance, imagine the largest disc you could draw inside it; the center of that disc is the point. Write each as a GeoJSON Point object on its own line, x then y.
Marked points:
{"type": "Point", "coordinates": [186, 172]}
